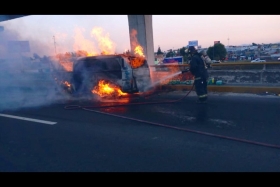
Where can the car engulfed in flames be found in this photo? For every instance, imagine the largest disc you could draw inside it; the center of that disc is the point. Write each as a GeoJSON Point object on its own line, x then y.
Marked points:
{"type": "Point", "coordinates": [109, 76]}
{"type": "Point", "coordinates": [103, 73]}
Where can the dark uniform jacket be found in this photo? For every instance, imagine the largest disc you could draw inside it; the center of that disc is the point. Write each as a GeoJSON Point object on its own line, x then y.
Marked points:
{"type": "Point", "coordinates": [197, 67]}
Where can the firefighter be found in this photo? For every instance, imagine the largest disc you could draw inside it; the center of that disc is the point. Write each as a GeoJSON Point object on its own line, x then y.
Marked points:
{"type": "Point", "coordinates": [199, 70]}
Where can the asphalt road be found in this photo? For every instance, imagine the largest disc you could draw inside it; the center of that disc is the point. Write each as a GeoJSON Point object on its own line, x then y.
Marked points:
{"type": "Point", "coordinates": [232, 133]}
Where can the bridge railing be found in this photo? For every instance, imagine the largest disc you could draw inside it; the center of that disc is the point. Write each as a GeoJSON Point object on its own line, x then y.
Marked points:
{"type": "Point", "coordinates": [228, 72]}
{"type": "Point", "coordinates": [224, 66]}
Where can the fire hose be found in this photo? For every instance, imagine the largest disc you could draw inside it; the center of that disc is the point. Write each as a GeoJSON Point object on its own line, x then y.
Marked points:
{"type": "Point", "coordinates": [87, 108]}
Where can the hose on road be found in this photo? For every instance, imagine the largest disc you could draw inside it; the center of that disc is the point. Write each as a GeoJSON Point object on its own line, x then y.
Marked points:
{"type": "Point", "coordinates": [88, 108]}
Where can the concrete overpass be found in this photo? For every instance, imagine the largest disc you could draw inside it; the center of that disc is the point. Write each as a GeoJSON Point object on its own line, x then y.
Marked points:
{"type": "Point", "coordinates": [141, 23]}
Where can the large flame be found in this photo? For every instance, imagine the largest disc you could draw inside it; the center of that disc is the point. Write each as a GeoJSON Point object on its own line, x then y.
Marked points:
{"type": "Point", "coordinates": [85, 47]}
{"type": "Point", "coordinates": [83, 44]}
{"type": "Point", "coordinates": [106, 89]}
{"type": "Point", "coordinates": [104, 43]}
{"type": "Point", "coordinates": [137, 48]}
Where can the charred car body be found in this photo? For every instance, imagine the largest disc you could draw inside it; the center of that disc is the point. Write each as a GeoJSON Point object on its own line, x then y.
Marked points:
{"type": "Point", "coordinates": [130, 73]}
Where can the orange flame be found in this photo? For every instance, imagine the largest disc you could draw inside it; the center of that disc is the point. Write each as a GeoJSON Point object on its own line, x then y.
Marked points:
{"type": "Point", "coordinates": [67, 65]}
{"type": "Point", "coordinates": [82, 53]}
{"type": "Point", "coordinates": [85, 47]}
{"type": "Point", "coordinates": [105, 89]}
{"type": "Point", "coordinates": [66, 84]}
{"type": "Point", "coordinates": [138, 50]}
{"type": "Point", "coordinates": [65, 61]}
{"type": "Point", "coordinates": [82, 44]}
{"type": "Point", "coordinates": [136, 62]}
{"type": "Point", "coordinates": [104, 43]}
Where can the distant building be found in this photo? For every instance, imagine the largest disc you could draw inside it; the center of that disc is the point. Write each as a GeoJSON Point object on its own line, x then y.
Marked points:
{"type": "Point", "coordinates": [159, 58]}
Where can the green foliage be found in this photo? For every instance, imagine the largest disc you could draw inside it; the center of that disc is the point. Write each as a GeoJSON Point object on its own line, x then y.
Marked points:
{"type": "Point", "coordinates": [170, 53]}
{"type": "Point", "coordinates": [185, 58]}
{"type": "Point", "coordinates": [217, 52]}
{"type": "Point", "coordinates": [182, 51]}
{"type": "Point", "coordinates": [159, 52]}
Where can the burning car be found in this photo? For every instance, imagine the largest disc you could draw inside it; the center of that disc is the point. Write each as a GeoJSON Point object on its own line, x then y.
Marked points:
{"type": "Point", "coordinates": [128, 73]}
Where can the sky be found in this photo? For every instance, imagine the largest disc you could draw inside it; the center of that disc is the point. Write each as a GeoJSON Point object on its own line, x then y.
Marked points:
{"type": "Point", "coordinates": [50, 34]}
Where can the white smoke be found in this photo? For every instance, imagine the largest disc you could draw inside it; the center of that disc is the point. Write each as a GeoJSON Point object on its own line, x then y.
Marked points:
{"type": "Point", "coordinates": [26, 79]}
{"type": "Point", "coordinates": [23, 85]}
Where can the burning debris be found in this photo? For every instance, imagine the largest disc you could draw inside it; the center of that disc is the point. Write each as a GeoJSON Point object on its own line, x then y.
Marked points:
{"type": "Point", "coordinates": [67, 86]}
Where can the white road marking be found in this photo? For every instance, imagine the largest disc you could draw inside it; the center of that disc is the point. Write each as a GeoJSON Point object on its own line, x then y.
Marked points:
{"type": "Point", "coordinates": [29, 119]}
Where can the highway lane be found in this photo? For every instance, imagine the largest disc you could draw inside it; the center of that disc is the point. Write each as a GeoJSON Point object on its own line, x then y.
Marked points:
{"type": "Point", "coordinates": [233, 132]}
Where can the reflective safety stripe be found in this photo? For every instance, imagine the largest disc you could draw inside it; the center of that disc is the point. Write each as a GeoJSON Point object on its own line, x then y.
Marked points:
{"type": "Point", "coordinates": [197, 78]}
{"type": "Point", "coordinates": [200, 96]}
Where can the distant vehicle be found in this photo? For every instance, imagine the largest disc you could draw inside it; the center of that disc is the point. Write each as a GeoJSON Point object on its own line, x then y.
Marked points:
{"type": "Point", "coordinates": [215, 61]}
{"type": "Point", "coordinates": [278, 59]}
{"type": "Point", "coordinates": [258, 60]}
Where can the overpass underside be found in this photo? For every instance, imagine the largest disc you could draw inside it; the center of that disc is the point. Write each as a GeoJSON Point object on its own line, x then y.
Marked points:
{"type": "Point", "coordinates": [9, 17]}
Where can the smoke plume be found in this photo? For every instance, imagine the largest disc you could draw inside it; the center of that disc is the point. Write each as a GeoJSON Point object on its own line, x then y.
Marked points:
{"type": "Point", "coordinates": [26, 79]}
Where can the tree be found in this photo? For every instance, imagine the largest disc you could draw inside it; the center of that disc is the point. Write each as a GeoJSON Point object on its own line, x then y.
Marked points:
{"type": "Point", "coordinates": [170, 53]}
{"type": "Point", "coordinates": [217, 52]}
{"type": "Point", "coordinates": [159, 52]}
{"type": "Point", "coordinates": [182, 51]}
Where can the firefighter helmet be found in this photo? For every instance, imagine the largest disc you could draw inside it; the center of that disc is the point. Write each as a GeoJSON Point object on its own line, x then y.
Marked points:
{"type": "Point", "coordinates": [191, 49]}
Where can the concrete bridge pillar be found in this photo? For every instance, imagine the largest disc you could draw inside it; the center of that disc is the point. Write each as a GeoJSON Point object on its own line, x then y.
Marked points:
{"type": "Point", "coordinates": [144, 27]}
